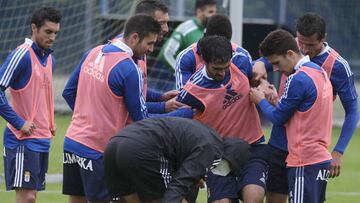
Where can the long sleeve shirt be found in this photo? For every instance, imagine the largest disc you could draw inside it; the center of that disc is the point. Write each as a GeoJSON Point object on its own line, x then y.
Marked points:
{"type": "Point", "coordinates": [123, 81]}
{"type": "Point", "coordinates": [342, 80]}
{"type": "Point", "coordinates": [186, 64]}
{"type": "Point", "coordinates": [15, 73]}
{"type": "Point", "coordinates": [202, 79]}
{"type": "Point", "coordinates": [184, 35]}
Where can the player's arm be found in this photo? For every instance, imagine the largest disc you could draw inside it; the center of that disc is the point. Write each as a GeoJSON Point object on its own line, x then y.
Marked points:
{"type": "Point", "coordinates": [186, 98]}
{"type": "Point", "coordinates": [179, 110]}
{"type": "Point", "coordinates": [70, 90]}
{"type": "Point", "coordinates": [124, 81]}
{"type": "Point", "coordinates": [295, 89]}
{"type": "Point", "coordinates": [14, 73]}
{"type": "Point", "coordinates": [171, 47]}
{"type": "Point", "coordinates": [185, 67]}
{"type": "Point", "coordinates": [260, 68]}
{"type": "Point", "coordinates": [153, 96]}
{"type": "Point", "coordinates": [192, 169]}
{"type": "Point", "coordinates": [243, 62]}
{"type": "Point", "coordinates": [342, 80]}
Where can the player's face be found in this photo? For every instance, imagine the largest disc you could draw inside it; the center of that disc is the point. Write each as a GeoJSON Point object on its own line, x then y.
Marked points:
{"type": "Point", "coordinates": [217, 71]}
{"type": "Point", "coordinates": [45, 35]}
{"type": "Point", "coordinates": [311, 46]}
{"type": "Point", "coordinates": [145, 46]}
{"type": "Point", "coordinates": [162, 18]}
{"type": "Point", "coordinates": [282, 63]}
{"type": "Point", "coordinates": [205, 13]}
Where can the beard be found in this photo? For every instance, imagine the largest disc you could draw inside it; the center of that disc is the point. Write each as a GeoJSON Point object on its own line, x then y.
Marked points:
{"type": "Point", "coordinates": [205, 21]}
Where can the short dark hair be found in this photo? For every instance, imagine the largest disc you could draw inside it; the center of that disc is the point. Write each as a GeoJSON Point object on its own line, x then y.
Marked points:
{"type": "Point", "coordinates": [278, 42]}
{"type": "Point", "coordinates": [150, 6]}
{"type": "Point", "coordinates": [142, 24]}
{"type": "Point", "coordinates": [219, 25]}
{"type": "Point", "coordinates": [45, 14]}
{"type": "Point", "coordinates": [202, 3]}
{"type": "Point", "coordinates": [215, 49]}
{"type": "Point", "coordinates": [310, 24]}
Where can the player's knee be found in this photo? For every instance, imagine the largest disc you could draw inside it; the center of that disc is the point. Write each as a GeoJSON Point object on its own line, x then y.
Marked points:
{"type": "Point", "coordinates": [253, 194]}
{"type": "Point", "coordinates": [272, 197]}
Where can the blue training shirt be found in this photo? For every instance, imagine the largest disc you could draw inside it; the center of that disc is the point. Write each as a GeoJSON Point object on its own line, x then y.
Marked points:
{"type": "Point", "coordinates": [123, 81]}
{"type": "Point", "coordinates": [186, 64]}
{"type": "Point", "coordinates": [202, 79]}
{"type": "Point", "coordinates": [15, 73]}
{"type": "Point", "coordinates": [342, 80]}
{"type": "Point", "coordinates": [151, 95]}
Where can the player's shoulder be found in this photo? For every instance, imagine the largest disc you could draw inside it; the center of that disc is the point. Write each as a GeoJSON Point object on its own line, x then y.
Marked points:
{"type": "Point", "coordinates": [198, 77]}
{"type": "Point", "coordinates": [298, 78]}
{"type": "Point", "coordinates": [186, 27]}
{"type": "Point", "coordinates": [341, 65]}
{"type": "Point", "coordinates": [126, 67]}
{"type": "Point", "coordinates": [18, 56]}
{"type": "Point", "coordinates": [188, 52]}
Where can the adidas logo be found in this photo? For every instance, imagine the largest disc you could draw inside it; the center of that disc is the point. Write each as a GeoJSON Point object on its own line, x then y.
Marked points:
{"type": "Point", "coordinates": [230, 97]}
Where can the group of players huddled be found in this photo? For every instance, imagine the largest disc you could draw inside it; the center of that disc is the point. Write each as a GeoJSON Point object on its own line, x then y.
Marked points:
{"type": "Point", "coordinates": [126, 142]}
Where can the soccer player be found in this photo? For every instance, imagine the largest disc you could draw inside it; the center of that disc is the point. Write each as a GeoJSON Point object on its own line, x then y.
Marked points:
{"type": "Point", "coordinates": [162, 159]}
{"type": "Point", "coordinates": [28, 73]}
{"type": "Point", "coordinates": [184, 35]}
{"type": "Point", "coordinates": [156, 9]}
{"type": "Point", "coordinates": [187, 33]}
{"type": "Point", "coordinates": [189, 60]}
{"type": "Point", "coordinates": [305, 109]}
{"type": "Point", "coordinates": [219, 91]}
{"type": "Point", "coordinates": [311, 36]}
{"type": "Point", "coordinates": [155, 102]}
{"type": "Point", "coordinates": [105, 92]}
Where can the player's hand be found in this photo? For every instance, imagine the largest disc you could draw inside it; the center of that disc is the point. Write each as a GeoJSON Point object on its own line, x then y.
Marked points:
{"type": "Point", "coordinates": [256, 95]}
{"type": "Point", "coordinates": [184, 201]}
{"type": "Point", "coordinates": [172, 104]}
{"type": "Point", "coordinates": [335, 164]}
{"type": "Point", "coordinates": [28, 128]}
{"type": "Point", "coordinates": [53, 130]}
{"type": "Point", "coordinates": [270, 91]}
{"type": "Point", "coordinates": [169, 95]}
{"type": "Point", "coordinates": [259, 72]}
{"type": "Point", "coordinates": [273, 98]}
{"type": "Point", "coordinates": [201, 183]}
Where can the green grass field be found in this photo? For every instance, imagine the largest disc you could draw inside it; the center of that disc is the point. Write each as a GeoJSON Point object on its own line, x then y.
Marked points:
{"type": "Point", "coordinates": [345, 188]}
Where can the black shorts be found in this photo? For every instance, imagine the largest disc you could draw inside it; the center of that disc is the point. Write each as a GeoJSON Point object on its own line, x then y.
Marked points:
{"type": "Point", "coordinates": [277, 181]}
{"type": "Point", "coordinates": [130, 169]}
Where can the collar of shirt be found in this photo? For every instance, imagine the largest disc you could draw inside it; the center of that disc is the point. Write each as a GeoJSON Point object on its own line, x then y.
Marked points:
{"type": "Point", "coordinates": [36, 48]}
{"type": "Point", "coordinates": [224, 81]}
{"type": "Point", "coordinates": [303, 60]}
{"type": "Point", "coordinates": [121, 45]}
{"type": "Point", "coordinates": [325, 49]}
{"type": "Point", "coordinates": [203, 70]}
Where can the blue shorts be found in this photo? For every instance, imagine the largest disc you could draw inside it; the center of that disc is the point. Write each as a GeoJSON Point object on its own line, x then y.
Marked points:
{"type": "Point", "coordinates": [255, 172]}
{"type": "Point", "coordinates": [84, 177]}
{"type": "Point", "coordinates": [308, 183]}
{"type": "Point", "coordinates": [277, 181]}
{"type": "Point", "coordinates": [220, 187]}
{"type": "Point", "coordinates": [25, 168]}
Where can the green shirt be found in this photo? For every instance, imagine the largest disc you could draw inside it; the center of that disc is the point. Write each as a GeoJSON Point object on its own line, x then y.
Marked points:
{"type": "Point", "coordinates": [184, 35]}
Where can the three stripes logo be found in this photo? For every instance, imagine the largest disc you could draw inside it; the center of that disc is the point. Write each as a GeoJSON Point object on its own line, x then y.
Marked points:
{"type": "Point", "coordinates": [230, 97]}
